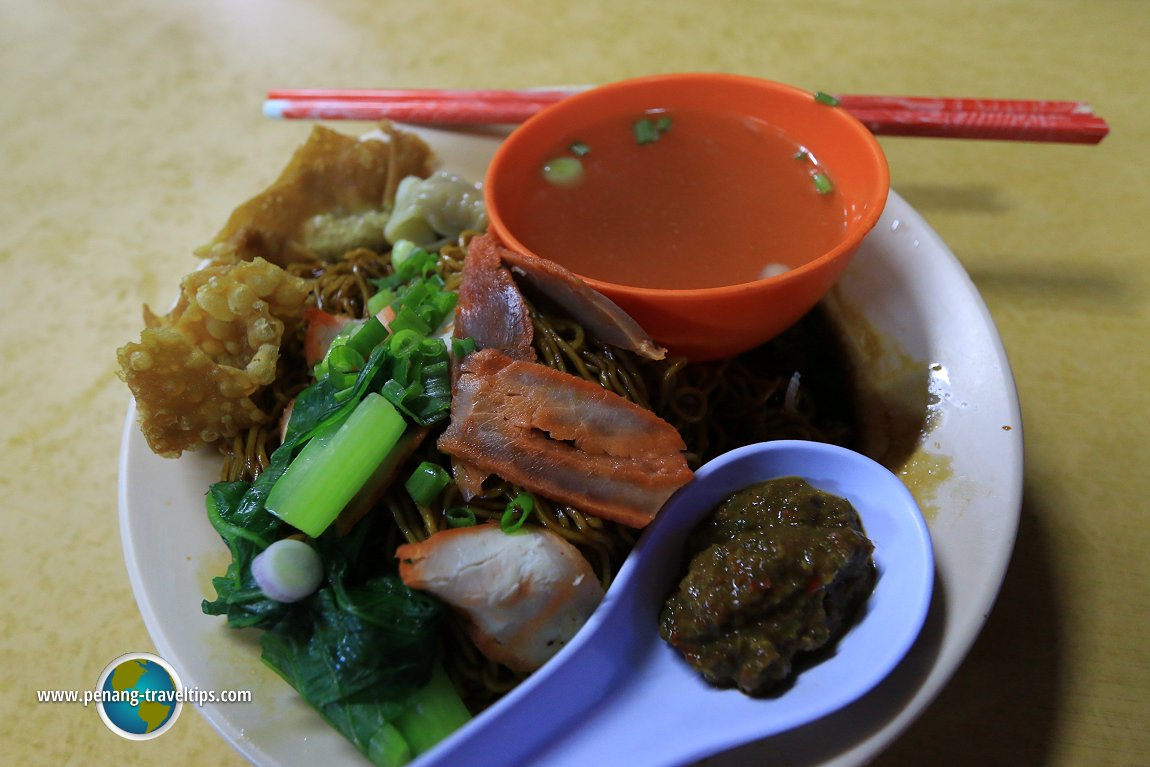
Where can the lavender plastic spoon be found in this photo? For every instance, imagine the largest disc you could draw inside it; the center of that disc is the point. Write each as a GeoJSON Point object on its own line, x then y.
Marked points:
{"type": "Point", "coordinates": [618, 694]}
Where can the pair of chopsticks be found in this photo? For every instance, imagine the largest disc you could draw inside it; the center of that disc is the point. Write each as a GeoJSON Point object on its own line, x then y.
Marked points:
{"type": "Point", "coordinates": [1068, 122]}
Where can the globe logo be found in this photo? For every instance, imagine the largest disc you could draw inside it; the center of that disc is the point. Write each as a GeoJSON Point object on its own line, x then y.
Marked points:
{"type": "Point", "coordinates": [139, 696]}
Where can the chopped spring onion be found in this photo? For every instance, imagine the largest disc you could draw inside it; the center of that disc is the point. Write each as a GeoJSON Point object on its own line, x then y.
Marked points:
{"type": "Point", "coordinates": [579, 149]}
{"type": "Point", "coordinates": [288, 570]}
{"type": "Point", "coordinates": [427, 482]}
{"type": "Point", "coordinates": [341, 366]}
{"type": "Point", "coordinates": [422, 302]}
{"type": "Point", "coordinates": [516, 512]}
{"type": "Point", "coordinates": [461, 347]}
{"type": "Point", "coordinates": [823, 183]}
{"type": "Point", "coordinates": [647, 131]}
{"type": "Point", "coordinates": [563, 171]}
{"type": "Point", "coordinates": [401, 251]}
{"type": "Point", "coordinates": [334, 465]}
{"type": "Point", "coordinates": [826, 98]}
{"type": "Point", "coordinates": [460, 516]}
{"type": "Point", "coordinates": [409, 262]}
{"type": "Point", "coordinates": [405, 341]}
{"type": "Point", "coordinates": [408, 318]}
{"type": "Point", "coordinates": [394, 391]}
{"type": "Point", "coordinates": [420, 383]}
{"type": "Point", "coordinates": [349, 351]}
{"type": "Point", "coordinates": [368, 335]}
{"type": "Point", "coordinates": [379, 300]}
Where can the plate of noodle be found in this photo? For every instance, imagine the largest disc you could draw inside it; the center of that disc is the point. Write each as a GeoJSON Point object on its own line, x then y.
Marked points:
{"type": "Point", "coordinates": [901, 362]}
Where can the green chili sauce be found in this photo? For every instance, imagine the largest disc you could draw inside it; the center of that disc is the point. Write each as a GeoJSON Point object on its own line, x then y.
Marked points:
{"type": "Point", "coordinates": [776, 573]}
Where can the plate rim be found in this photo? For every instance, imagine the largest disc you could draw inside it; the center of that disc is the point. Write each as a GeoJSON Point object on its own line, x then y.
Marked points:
{"type": "Point", "coordinates": [859, 753]}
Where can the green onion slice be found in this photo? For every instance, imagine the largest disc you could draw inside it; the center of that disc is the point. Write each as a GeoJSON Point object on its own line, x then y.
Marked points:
{"type": "Point", "coordinates": [460, 516]}
{"type": "Point", "coordinates": [516, 512]}
{"type": "Point", "coordinates": [823, 183]}
{"type": "Point", "coordinates": [563, 171]}
{"type": "Point", "coordinates": [427, 482]}
{"type": "Point", "coordinates": [405, 342]}
{"type": "Point", "coordinates": [461, 347]}
{"type": "Point", "coordinates": [647, 131]}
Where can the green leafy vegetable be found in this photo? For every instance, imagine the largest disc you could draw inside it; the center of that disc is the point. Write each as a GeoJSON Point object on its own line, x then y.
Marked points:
{"type": "Point", "coordinates": [238, 510]}
{"type": "Point", "coordinates": [362, 648]}
{"type": "Point", "coordinates": [237, 513]}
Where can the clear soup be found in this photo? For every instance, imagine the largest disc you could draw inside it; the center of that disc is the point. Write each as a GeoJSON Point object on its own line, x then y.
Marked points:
{"type": "Point", "coordinates": [695, 200]}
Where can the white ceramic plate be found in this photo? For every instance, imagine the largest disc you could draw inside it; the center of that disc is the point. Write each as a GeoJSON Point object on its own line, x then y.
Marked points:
{"type": "Point", "coordinates": [931, 352]}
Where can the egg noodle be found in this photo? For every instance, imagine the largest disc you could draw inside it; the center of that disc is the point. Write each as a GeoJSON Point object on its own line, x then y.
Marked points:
{"type": "Point", "coordinates": [762, 395]}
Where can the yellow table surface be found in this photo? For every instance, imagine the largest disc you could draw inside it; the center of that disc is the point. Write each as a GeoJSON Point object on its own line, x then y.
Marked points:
{"type": "Point", "coordinates": [129, 129]}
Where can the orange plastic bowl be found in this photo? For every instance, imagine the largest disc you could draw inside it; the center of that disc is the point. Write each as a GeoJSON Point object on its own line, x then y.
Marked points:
{"type": "Point", "coordinates": [715, 321]}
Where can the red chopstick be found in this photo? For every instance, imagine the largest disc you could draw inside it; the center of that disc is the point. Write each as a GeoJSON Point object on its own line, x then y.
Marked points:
{"type": "Point", "coordinates": [529, 95]}
{"type": "Point", "coordinates": [1055, 127]}
{"type": "Point", "coordinates": [942, 104]}
{"type": "Point", "coordinates": [1072, 122]}
{"type": "Point", "coordinates": [1004, 119]}
{"type": "Point", "coordinates": [426, 106]}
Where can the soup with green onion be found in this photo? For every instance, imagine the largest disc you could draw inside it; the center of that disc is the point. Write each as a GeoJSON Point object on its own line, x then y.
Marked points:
{"type": "Point", "coordinates": [681, 200]}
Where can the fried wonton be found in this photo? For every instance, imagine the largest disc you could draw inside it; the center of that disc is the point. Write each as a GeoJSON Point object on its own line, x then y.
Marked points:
{"type": "Point", "coordinates": [335, 195]}
{"type": "Point", "coordinates": [195, 370]}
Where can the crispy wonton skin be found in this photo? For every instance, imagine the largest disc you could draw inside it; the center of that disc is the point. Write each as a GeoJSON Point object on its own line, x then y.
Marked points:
{"type": "Point", "coordinates": [194, 371]}
{"type": "Point", "coordinates": [333, 196]}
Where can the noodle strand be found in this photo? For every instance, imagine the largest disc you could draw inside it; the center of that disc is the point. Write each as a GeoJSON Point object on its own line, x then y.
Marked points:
{"type": "Point", "coordinates": [715, 407]}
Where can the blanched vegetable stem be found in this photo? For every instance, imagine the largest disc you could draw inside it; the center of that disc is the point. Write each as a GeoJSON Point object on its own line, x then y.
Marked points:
{"type": "Point", "coordinates": [334, 465]}
{"type": "Point", "coordinates": [388, 748]}
{"type": "Point", "coordinates": [433, 713]}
